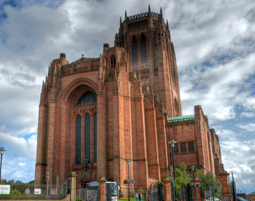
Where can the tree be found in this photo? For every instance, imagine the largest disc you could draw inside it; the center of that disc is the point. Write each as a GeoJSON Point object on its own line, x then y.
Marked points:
{"type": "Point", "coordinates": [181, 174]}
{"type": "Point", "coordinates": [206, 184]}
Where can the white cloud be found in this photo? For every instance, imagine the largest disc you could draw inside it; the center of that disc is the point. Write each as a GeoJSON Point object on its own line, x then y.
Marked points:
{"type": "Point", "coordinates": [248, 114]}
{"type": "Point", "coordinates": [249, 127]}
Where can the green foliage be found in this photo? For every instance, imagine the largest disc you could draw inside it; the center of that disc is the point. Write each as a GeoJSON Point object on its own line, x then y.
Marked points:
{"type": "Point", "coordinates": [31, 182]}
{"type": "Point", "coordinates": [15, 192]}
{"type": "Point", "coordinates": [181, 175]}
{"type": "Point", "coordinates": [79, 199]}
{"type": "Point", "coordinates": [156, 183]}
{"type": "Point", "coordinates": [141, 190]}
{"type": "Point", "coordinates": [206, 184]}
{"type": "Point", "coordinates": [3, 181]}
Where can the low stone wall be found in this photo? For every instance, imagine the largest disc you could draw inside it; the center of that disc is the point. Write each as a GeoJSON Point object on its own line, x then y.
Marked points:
{"type": "Point", "coordinates": [66, 198]}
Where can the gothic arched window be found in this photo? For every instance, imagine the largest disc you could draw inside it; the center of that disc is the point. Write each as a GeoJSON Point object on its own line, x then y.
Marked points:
{"type": "Point", "coordinates": [144, 49]}
{"type": "Point", "coordinates": [95, 138]}
{"type": "Point", "coordinates": [134, 51]}
{"type": "Point", "coordinates": [113, 61]}
{"type": "Point", "coordinates": [88, 97]}
{"type": "Point", "coordinates": [78, 141]}
{"type": "Point", "coordinates": [87, 137]}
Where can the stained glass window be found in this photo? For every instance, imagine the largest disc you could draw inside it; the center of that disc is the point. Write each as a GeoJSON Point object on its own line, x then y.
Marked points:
{"type": "Point", "coordinates": [78, 141]}
{"type": "Point", "coordinates": [88, 97]}
{"type": "Point", "coordinates": [134, 51]}
{"type": "Point", "coordinates": [95, 138]}
{"type": "Point", "coordinates": [87, 137]}
{"type": "Point", "coordinates": [144, 50]}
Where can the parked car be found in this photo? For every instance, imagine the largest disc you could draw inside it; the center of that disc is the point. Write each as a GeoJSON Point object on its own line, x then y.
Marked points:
{"type": "Point", "coordinates": [241, 199]}
{"type": "Point", "coordinates": [215, 199]}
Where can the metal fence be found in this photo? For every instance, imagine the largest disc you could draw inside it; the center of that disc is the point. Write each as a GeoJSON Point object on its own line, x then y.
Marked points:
{"type": "Point", "coordinates": [37, 192]}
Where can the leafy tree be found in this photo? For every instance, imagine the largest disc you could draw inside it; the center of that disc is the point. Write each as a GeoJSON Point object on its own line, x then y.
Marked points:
{"type": "Point", "coordinates": [181, 175]}
{"type": "Point", "coordinates": [3, 181]}
{"type": "Point", "coordinates": [31, 182]}
{"type": "Point", "coordinates": [15, 192]}
{"type": "Point", "coordinates": [206, 184]}
{"type": "Point", "coordinates": [18, 182]}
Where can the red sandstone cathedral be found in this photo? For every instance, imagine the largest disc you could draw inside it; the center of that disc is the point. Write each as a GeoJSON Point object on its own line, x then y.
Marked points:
{"type": "Point", "coordinates": [123, 105]}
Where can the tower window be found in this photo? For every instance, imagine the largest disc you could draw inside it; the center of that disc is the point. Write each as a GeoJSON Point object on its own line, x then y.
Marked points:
{"type": "Point", "coordinates": [113, 61]}
{"type": "Point", "coordinates": [144, 50]}
{"type": "Point", "coordinates": [134, 51]}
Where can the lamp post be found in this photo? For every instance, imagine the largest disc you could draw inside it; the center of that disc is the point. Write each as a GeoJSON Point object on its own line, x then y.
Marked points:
{"type": "Point", "coordinates": [2, 150]}
{"type": "Point", "coordinates": [212, 185]}
{"type": "Point", "coordinates": [172, 142]}
{"type": "Point", "coordinates": [128, 161]}
{"type": "Point", "coordinates": [193, 167]}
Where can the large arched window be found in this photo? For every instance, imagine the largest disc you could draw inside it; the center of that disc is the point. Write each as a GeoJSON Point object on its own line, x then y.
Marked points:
{"type": "Point", "coordinates": [78, 141]}
{"type": "Point", "coordinates": [95, 138]}
{"type": "Point", "coordinates": [134, 51]}
{"type": "Point", "coordinates": [87, 137]}
{"type": "Point", "coordinates": [88, 97]}
{"type": "Point", "coordinates": [144, 50]}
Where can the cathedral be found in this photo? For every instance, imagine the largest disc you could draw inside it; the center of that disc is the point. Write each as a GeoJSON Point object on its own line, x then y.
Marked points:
{"type": "Point", "coordinates": [95, 113]}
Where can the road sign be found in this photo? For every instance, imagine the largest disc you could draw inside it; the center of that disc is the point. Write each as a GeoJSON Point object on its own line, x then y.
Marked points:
{"type": "Point", "coordinates": [174, 184]}
{"type": "Point", "coordinates": [27, 191]}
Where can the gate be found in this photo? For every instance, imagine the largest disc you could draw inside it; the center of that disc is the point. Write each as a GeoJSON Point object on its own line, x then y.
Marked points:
{"type": "Point", "coordinates": [108, 190]}
{"type": "Point", "coordinates": [90, 193]}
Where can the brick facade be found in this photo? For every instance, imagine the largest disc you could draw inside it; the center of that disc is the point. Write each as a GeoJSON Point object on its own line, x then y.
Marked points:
{"type": "Point", "coordinates": [137, 93]}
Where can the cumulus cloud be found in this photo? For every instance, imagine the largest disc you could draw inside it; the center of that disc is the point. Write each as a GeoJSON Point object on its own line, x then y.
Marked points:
{"type": "Point", "coordinates": [248, 127]}
{"type": "Point", "coordinates": [248, 114]}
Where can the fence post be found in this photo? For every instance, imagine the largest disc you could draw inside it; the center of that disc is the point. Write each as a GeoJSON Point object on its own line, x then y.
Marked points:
{"type": "Point", "coordinates": [72, 179]}
{"type": "Point", "coordinates": [102, 192]}
{"type": "Point", "coordinates": [167, 189]}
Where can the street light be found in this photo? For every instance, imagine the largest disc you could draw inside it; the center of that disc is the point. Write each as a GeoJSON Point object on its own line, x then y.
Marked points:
{"type": "Point", "coordinates": [172, 142]}
{"type": "Point", "coordinates": [193, 167]}
{"type": "Point", "coordinates": [2, 150]}
{"type": "Point", "coordinates": [128, 161]}
{"type": "Point", "coordinates": [212, 185]}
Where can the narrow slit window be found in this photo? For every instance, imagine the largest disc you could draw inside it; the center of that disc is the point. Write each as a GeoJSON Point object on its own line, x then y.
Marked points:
{"type": "Point", "coordinates": [134, 51]}
{"type": "Point", "coordinates": [144, 50]}
{"type": "Point", "coordinates": [113, 61]}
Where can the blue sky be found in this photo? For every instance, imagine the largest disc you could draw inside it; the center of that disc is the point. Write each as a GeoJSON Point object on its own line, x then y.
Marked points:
{"type": "Point", "coordinates": [215, 50]}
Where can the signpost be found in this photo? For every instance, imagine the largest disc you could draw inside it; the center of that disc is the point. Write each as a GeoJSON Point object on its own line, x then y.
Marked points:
{"type": "Point", "coordinates": [37, 191]}
{"type": "Point", "coordinates": [5, 189]}
{"type": "Point", "coordinates": [53, 191]}
{"type": "Point", "coordinates": [174, 184]}
{"type": "Point", "coordinates": [27, 191]}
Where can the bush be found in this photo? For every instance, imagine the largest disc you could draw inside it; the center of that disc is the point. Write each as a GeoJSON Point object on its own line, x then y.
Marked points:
{"type": "Point", "coordinates": [79, 199]}
{"type": "Point", "coordinates": [15, 192]}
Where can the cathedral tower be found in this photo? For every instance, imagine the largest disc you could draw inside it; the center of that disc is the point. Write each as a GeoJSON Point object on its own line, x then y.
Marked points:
{"type": "Point", "coordinates": [147, 39]}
